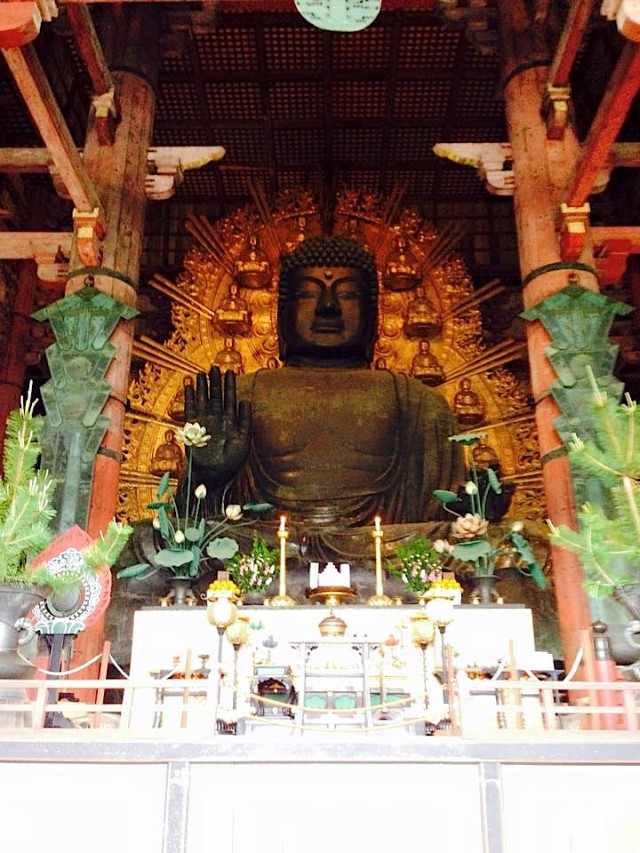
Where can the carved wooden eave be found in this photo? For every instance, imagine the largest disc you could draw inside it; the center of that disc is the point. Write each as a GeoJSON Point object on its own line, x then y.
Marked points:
{"type": "Point", "coordinates": [166, 165]}
{"type": "Point", "coordinates": [489, 160]}
{"type": "Point", "coordinates": [627, 17]}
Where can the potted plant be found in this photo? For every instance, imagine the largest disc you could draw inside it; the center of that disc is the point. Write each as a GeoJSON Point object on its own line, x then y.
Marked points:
{"type": "Point", "coordinates": [478, 544]}
{"type": "Point", "coordinates": [419, 566]}
{"type": "Point", "coordinates": [189, 540]}
{"type": "Point", "coordinates": [254, 572]}
{"type": "Point", "coordinates": [608, 536]}
{"type": "Point", "coordinates": [25, 512]}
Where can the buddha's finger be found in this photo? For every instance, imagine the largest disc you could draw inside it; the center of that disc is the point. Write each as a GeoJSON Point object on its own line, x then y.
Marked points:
{"type": "Point", "coordinates": [201, 398]}
{"type": "Point", "coordinates": [189, 401]}
{"type": "Point", "coordinates": [215, 392]}
{"type": "Point", "coordinates": [230, 397]}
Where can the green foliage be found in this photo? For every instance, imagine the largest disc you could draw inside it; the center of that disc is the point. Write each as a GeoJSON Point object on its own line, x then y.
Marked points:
{"type": "Point", "coordinates": [608, 539]}
{"type": "Point", "coordinates": [188, 538]}
{"type": "Point", "coordinates": [418, 564]}
{"type": "Point", "coordinates": [25, 496]}
{"type": "Point", "coordinates": [477, 545]}
{"type": "Point", "coordinates": [254, 572]}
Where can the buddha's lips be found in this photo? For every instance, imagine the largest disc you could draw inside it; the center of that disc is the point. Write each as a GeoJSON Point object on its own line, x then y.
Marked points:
{"type": "Point", "coordinates": [328, 326]}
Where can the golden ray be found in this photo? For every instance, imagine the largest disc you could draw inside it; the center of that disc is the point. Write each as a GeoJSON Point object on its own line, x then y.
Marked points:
{"type": "Point", "coordinates": [487, 291]}
{"type": "Point", "coordinates": [200, 228]}
{"type": "Point", "coordinates": [147, 348]}
{"type": "Point", "coordinates": [136, 415]}
{"type": "Point", "coordinates": [498, 355]}
{"type": "Point", "coordinates": [166, 287]}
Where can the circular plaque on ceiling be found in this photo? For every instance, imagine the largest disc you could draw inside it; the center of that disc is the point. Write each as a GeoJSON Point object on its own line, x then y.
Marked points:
{"type": "Point", "coordinates": [341, 16]}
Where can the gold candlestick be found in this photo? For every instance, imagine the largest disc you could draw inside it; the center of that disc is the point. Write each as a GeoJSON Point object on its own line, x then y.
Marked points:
{"type": "Point", "coordinates": [282, 599]}
{"type": "Point", "coordinates": [379, 599]}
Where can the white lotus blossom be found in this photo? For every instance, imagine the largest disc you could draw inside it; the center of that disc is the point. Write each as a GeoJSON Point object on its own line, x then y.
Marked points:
{"type": "Point", "coordinates": [233, 512]}
{"type": "Point", "coordinates": [517, 526]}
{"type": "Point", "coordinates": [193, 435]}
{"type": "Point", "coordinates": [469, 526]}
{"type": "Point", "coordinates": [201, 492]}
{"type": "Point", "coordinates": [179, 537]}
{"type": "Point", "coordinates": [442, 546]}
{"type": "Point", "coordinates": [156, 523]}
{"type": "Point", "coordinates": [471, 488]}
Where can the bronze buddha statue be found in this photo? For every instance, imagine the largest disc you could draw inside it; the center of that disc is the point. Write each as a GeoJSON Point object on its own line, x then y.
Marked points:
{"type": "Point", "coordinates": [325, 439]}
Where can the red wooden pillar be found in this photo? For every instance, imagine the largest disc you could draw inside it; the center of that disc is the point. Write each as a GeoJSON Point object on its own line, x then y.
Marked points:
{"type": "Point", "coordinates": [542, 169]}
{"type": "Point", "coordinates": [118, 173]}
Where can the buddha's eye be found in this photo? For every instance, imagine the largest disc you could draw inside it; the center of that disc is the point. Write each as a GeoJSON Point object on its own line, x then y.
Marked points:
{"type": "Point", "coordinates": [306, 290]}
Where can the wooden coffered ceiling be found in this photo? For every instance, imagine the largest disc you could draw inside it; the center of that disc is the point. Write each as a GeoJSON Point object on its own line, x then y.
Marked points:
{"type": "Point", "coordinates": [294, 105]}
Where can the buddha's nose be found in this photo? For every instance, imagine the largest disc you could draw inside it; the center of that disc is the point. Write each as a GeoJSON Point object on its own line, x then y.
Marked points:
{"type": "Point", "coordinates": [327, 302]}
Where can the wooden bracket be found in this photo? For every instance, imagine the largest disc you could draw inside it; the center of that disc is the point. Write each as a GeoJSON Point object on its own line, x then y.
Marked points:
{"type": "Point", "coordinates": [106, 113]}
{"type": "Point", "coordinates": [489, 159]}
{"type": "Point", "coordinates": [19, 24]}
{"type": "Point", "coordinates": [555, 109]}
{"type": "Point", "coordinates": [89, 230]}
{"type": "Point", "coordinates": [627, 17]}
{"type": "Point", "coordinates": [169, 165]}
{"type": "Point", "coordinates": [573, 230]}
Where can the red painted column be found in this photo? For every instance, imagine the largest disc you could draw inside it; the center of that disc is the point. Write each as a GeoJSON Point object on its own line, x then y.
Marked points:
{"type": "Point", "coordinates": [542, 170]}
{"type": "Point", "coordinates": [119, 172]}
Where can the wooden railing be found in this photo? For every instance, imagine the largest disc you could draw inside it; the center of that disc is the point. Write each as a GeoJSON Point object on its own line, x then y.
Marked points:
{"type": "Point", "coordinates": [478, 708]}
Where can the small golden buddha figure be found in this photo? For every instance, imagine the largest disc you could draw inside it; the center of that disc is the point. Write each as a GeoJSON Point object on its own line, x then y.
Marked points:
{"type": "Point", "coordinates": [401, 269]}
{"type": "Point", "coordinates": [168, 457]}
{"type": "Point", "coordinates": [426, 367]}
{"type": "Point", "coordinates": [300, 236]}
{"type": "Point", "coordinates": [467, 405]}
{"type": "Point", "coordinates": [422, 320]}
{"type": "Point", "coordinates": [176, 407]}
{"type": "Point", "coordinates": [483, 454]}
{"type": "Point", "coordinates": [233, 316]}
{"type": "Point", "coordinates": [252, 266]}
{"type": "Point", "coordinates": [228, 358]}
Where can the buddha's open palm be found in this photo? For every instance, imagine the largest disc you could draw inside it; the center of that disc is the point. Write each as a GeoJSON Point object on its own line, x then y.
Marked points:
{"type": "Point", "coordinates": [213, 404]}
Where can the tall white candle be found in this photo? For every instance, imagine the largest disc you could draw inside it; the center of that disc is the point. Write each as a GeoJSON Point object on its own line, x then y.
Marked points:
{"type": "Point", "coordinates": [377, 538]}
{"type": "Point", "coordinates": [283, 536]}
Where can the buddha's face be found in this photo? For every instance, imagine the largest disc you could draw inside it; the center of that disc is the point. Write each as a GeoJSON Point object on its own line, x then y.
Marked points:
{"type": "Point", "coordinates": [327, 317]}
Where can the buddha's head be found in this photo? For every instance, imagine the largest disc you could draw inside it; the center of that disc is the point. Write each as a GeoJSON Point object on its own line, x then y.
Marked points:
{"type": "Point", "coordinates": [328, 303]}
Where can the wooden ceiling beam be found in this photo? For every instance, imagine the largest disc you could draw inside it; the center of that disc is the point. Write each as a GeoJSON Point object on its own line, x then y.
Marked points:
{"type": "Point", "coordinates": [90, 49]}
{"type": "Point", "coordinates": [19, 24]}
{"type": "Point", "coordinates": [574, 29]}
{"type": "Point", "coordinates": [23, 245]}
{"type": "Point", "coordinates": [38, 96]}
{"type": "Point", "coordinates": [104, 88]}
{"type": "Point", "coordinates": [622, 89]}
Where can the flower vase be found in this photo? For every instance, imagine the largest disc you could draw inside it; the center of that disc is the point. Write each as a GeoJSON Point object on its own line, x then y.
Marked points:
{"type": "Point", "coordinates": [253, 597]}
{"type": "Point", "coordinates": [181, 594]}
{"type": "Point", "coordinates": [16, 630]}
{"type": "Point", "coordinates": [484, 591]}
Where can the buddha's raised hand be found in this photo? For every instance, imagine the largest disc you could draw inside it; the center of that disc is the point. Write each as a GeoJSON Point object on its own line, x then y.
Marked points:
{"type": "Point", "coordinates": [213, 404]}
